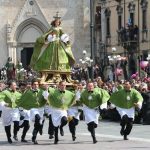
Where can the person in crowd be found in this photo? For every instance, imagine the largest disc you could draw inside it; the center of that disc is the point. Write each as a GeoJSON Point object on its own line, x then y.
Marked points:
{"type": "Point", "coordinates": [24, 115]}
{"type": "Point", "coordinates": [126, 100]}
{"type": "Point", "coordinates": [74, 111]}
{"type": "Point", "coordinates": [10, 69]}
{"type": "Point", "coordinates": [48, 110]}
{"type": "Point", "coordinates": [92, 98]}
{"type": "Point", "coordinates": [2, 87]}
{"type": "Point", "coordinates": [10, 112]}
{"type": "Point", "coordinates": [34, 101]}
{"type": "Point", "coordinates": [60, 100]}
{"type": "Point", "coordinates": [145, 115]}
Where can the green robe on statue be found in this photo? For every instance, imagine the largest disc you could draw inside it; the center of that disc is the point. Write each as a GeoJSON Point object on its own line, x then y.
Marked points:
{"type": "Point", "coordinates": [54, 55]}
{"type": "Point", "coordinates": [126, 99]}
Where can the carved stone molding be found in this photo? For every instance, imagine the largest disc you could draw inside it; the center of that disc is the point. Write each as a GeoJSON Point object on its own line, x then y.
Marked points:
{"type": "Point", "coordinates": [30, 17]}
{"type": "Point", "coordinates": [119, 9]}
{"type": "Point", "coordinates": [144, 4]}
{"type": "Point", "coordinates": [131, 7]}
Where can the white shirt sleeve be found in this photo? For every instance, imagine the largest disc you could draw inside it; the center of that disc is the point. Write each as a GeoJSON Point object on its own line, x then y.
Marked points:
{"type": "Point", "coordinates": [45, 95]}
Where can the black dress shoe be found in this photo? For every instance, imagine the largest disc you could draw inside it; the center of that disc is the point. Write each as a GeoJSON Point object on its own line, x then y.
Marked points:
{"type": "Point", "coordinates": [94, 139]}
{"type": "Point", "coordinates": [23, 140]}
{"type": "Point", "coordinates": [51, 136]}
{"type": "Point", "coordinates": [15, 138]}
{"type": "Point", "coordinates": [73, 137]}
{"type": "Point", "coordinates": [61, 132]}
{"type": "Point", "coordinates": [125, 137]}
{"type": "Point", "coordinates": [56, 141]}
{"type": "Point", "coordinates": [34, 140]}
{"type": "Point", "coordinates": [9, 140]}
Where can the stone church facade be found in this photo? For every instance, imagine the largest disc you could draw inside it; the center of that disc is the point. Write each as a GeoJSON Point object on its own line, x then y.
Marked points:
{"type": "Point", "coordinates": [22, 21]}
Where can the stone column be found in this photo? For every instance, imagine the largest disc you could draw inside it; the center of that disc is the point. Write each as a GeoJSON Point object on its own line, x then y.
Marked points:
{"type": "Point", "coordinates": [103, 21]}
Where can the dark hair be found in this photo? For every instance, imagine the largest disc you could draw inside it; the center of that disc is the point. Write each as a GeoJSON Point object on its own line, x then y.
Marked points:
{"type": "Point", "coordinates": [90, 81]}
{"type": "Point", "coordinates": [125, 82]}
{"type": "Point", "coordinates": [22, 84]}
{"type": "Point", "coordinates": [62, 82]}
{"type": "Point", "coordinates": [34, 80]}
{"type": "Point", "coordinates": [10, 82]}
{"type": "Point", "coordinates": [53, 23]}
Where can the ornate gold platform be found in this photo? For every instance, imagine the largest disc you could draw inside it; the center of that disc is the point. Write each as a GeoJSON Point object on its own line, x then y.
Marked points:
{"type": "Point", "coordinates": [53, 77]}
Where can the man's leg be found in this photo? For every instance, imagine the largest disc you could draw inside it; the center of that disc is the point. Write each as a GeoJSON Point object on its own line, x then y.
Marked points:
{"type": "Point", "coordinates": [36, 128]}
{"type": "Point", "coordinates": [72, 127]}
{"type": "Point", "coordinates": [51, 128]}
{"type": "Point", "coordinates": [8, 133]}
{"type": "Point", "coordinates": [91, 128]}
{"type": "Point", "coordinates": [16, 129]}
{"type": "Point", "coordinates": [56, 135]}
{"type": "Point", "coordinates": [63, 123]}
{"type": "Point", "coordinates": [123, 123]}
{"type": "Point", "coordinates": [26, 127]}
{"type": "Point", "coordinates": [41, 127]}
{"type": "Point", "coordinates": [128, 128]}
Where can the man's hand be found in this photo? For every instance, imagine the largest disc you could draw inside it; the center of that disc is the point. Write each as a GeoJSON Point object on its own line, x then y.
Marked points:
{"type": "Point", "coordinates": [6, 104]}
{"type": "Point", "coordinates": [136, 105]}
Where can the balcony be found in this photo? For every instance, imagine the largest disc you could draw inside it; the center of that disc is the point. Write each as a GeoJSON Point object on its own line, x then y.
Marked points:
{"type": "Point", "coordinates": [128, 38]}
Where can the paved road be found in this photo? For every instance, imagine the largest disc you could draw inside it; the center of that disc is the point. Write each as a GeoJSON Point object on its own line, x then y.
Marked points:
{"type": "Point", "coordinates": [107, 135]}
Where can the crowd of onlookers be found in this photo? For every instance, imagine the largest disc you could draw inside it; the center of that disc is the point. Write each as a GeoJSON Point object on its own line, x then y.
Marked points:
{"type": "Point", "coordinates": [20, 73]}
{"type": "Point", "coordinates": [82, 75]}
{"type": "Point", "coordinates": [140, 84]}
{"type": "Point", "coordinates": [17, 73]}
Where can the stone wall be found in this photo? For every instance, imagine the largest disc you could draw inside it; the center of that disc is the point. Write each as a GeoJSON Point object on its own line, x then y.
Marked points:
{"type": "Point", "coordinates": [75, 22]}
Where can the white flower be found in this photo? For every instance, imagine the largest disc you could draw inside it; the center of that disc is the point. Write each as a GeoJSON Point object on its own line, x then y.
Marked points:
{"type": "Point", "coordinates": [22, 69]}
{"type": "Point", "coordinates": [64, 38]}
{"type": "Point", "coordinates": [49, 38]}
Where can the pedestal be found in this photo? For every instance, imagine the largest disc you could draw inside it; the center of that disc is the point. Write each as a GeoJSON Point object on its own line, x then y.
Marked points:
{"type": "Point", "coordinates": [53, 76]}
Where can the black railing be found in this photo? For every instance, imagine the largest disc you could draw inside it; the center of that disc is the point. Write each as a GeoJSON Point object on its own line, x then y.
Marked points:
{"type": "Point", "coordinates": [128, 34]}
{"type": "Point", "coordinates": [128, 37]}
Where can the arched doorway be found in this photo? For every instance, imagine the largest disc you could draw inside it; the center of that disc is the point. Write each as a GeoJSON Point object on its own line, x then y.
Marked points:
{"type": "Point", "coordinates": [26, 35]}
{"type": "Point", "coordinates": [26, 55]}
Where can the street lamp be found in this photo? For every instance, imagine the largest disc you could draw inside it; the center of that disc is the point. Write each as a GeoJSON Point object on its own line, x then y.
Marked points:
{"type": "Point", "coordinates": [87, 64]}
{"type": "Point", "coordinates": [114, 49]}
{"type": "Point", "coordinates": [148, 59]}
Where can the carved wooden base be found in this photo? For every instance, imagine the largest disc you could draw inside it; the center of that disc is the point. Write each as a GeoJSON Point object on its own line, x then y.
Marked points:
{"type": "Point", "coordinates": [53, 77]}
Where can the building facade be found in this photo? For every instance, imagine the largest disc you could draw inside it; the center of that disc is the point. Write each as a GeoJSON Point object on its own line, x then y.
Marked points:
{"type": "Point", "coordinates": [22, 21]}
{"type": "Point", "coordinates": [125, 25]}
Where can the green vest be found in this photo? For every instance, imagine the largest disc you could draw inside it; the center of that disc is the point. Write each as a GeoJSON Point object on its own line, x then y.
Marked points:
{"type": "Point", "coordinates": [31, 99]}
{"type": "Point", "coordinates": [10, 97]}
{"type": "Point", "coordinates": [124, 99]}
{"type": "Point", "coordinates": [94, 99]}
{"type": "Point", "coordinates": [60, 100]}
